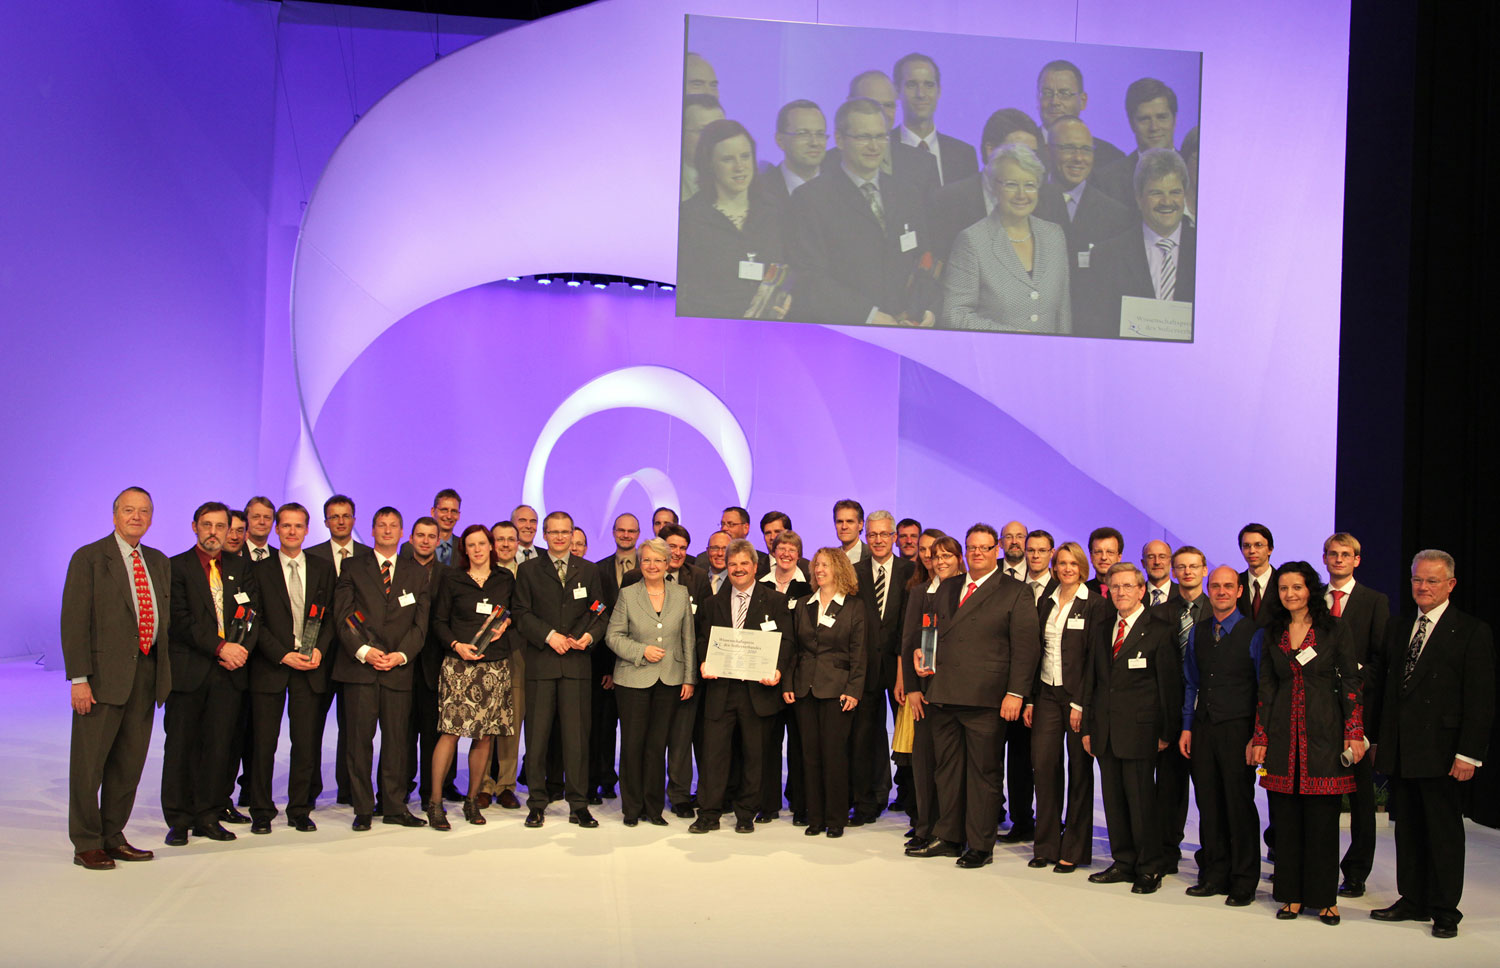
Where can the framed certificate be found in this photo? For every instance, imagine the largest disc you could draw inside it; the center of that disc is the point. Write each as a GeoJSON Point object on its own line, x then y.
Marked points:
{"type": "Point", "coordinates": [742, 653]}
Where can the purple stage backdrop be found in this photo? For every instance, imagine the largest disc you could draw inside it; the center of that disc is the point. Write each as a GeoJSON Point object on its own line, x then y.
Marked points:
{"type": "Point", "coordinates": [160, 186]}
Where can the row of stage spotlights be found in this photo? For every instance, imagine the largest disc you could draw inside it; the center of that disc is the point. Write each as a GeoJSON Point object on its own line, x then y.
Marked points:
{"type": "Point", "coordinates": [577, 280]}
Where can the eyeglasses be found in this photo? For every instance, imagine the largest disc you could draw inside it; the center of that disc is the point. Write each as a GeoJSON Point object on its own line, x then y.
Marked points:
{"type": "Point", "coordinates": [945, 556]}
{"type": "Point", "coordinates": [558, 534]}
{"type": "Point", "coordinates": [1018, 188]}
{"type": "Point", "coordinates": [1048, 94]}
{"type": "Point", "coordinates": [802, 134]}
{"type": "Point", "coordinates": [1074, 149]}
{"type": "Point", "coordinates": [981, 549]}
{"type": "Point", "coordinates": [880, 534]}
{"type": "Point", "coordinates": [865, 140]}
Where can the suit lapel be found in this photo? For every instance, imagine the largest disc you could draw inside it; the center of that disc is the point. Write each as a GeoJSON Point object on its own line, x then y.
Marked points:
{"type": "Point", "coordinates": [1005, 254]}
{"type": "Point", "coordinates": [278, 583]}
{"type": "Point", "coordinates": [119, 575]}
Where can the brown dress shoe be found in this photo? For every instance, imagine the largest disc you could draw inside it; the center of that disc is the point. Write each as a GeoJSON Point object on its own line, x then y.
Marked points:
{"type": "Point", "coordinates": [94, 860]}
{"type": "Point", "coordinates": [128, 853]}
{"type": "Point", "coordinates": [507, 799]}
{"type": "Point", "coordinates": [482, 800]}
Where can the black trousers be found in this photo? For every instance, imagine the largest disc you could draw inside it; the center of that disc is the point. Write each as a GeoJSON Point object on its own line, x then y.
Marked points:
{"type": "Point", "coordinates": [1307, 848]}
{"type": "Point", "coordinates": [302, 706]}
{"type": "Point", "coordinates": [924, 777]}
{"type": "Point", "coordinates": [603, 715]}
{"type": "Point", "coordinates": [199, 756]}
{"type": "Point", "coordinates": [1360, 857]}
{"type": "Point", "coordinates": [1051, 733]}
{"type": "Point", "coordinates": [645, 719]}
{"type": "Point", "coordinates": [680, 751]}
{"type": "Point", "coordinates": [825, 759]}
{"type": "Point", "coordinates": [1429, 844]}
{"type": "Point", "coordinates": [1172, 773]}
{"type": "Point", "coordinates": [966, 743]}
{"type": "Point", "coordinates": [333, 700]}
{"type": "Point", "coordinates": [1015, 765]}
{"type": "Point", "coordinates": [870, 756]}
{"type": "Point", "coordinates": [1228, 821]}
{"type": "Point", "coordinates": [719, 751]}
{"type": "Point", "coordinates": [242, 753]}
{"type": "Point", "coordinates": [783, 724]}
{"type": "Point", "coordinates": [366, 705]}
{"type": "Point", "coordinates": [1130, 812]}
{"type": "Point", "coordinates": [564, 703]}
{"type": "Point", "coordinates": [105, 757]}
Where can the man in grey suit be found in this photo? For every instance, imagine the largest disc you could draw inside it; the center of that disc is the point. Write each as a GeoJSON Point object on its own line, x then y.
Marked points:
{"type": "Point", "coordinates": [114, 622]}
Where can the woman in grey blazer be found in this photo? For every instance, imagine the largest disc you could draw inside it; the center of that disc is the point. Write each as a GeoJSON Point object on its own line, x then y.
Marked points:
{"type": "Point", "coordinates": [651, 632]}
{"type": "Point", "coordinates": [1009, 272]}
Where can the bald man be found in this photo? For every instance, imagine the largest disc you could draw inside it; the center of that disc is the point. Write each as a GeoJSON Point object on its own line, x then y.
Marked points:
{"type": "Point", "coordinates": [1156, 561]}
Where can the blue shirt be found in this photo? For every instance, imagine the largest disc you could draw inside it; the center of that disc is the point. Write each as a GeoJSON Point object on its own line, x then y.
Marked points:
{"type": "Point", "coordinates": [1190, 664]}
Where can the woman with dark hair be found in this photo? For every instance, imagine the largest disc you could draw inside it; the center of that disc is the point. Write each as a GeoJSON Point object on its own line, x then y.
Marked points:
{"type": "Point", "coordinates": [1309, 732]}
{"type": "Point", "coordinates": [1011, 126]}
{"type": "Point", "coordinates": [730, 235]}
{"type": "Point", "coordinates": [474, 694]}
{"type": "Point", "coordinates": [944, 558]}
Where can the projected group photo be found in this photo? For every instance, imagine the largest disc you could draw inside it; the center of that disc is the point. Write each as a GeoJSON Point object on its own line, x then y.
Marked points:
{"type": "Point", "coordinates": [859, 176]}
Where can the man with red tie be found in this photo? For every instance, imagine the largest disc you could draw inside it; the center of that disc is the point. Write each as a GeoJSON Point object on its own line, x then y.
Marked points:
{"type": "Point", "coordinates": [1256, 590]}
{"type": "Point", "coordinates": [115, 611]}
{"type": "Point", "coordinates": [1105, 547]}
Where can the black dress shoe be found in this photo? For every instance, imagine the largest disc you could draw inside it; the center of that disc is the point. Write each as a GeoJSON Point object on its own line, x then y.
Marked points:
{"type": "Point", "coordinates": [1018, 834]}
{"type": "Point", "coordinates": [1113, 874]}
{"type": "Point", "coordinates": [1329, 919]}
{"type": "Point", "coordinates": [231, 815]}
{"type": "Point", "coordinates": [260, 826]}
{"type": "Point", "coordinates": [799, 820]}
{"type": "Point", "coordinates": [658, 821]}
{"type": "Point", "coordinates": [1444, 928]}
{"type": "Point", "coordinates": [857, 819]}
{"type": "Point", "coordinates": [126, 852]}
{"type": "Point", "coordinates": [213, 831]}
{"type": "Point", "coordinates": [1240, 900]}
{"type": "Point", "coordinates": [910, 832]}
{"type": "Point", "coordinates": [535, 817]}
{"type": "Point", "coordinates": [914, 843]}
{"type": "Point", "coordinates": [176, 836]}
{"type": "Point", "coordinates": [835, 832]}
{"type": "Point", "coordinates": [361, 821]}
{"type": "Point", "coordinates": [1146, 884]}
{"type": "Point", "coordinates": [607, 792]}
{"type": "Point", "coordinates": [766, 816]}
{"type": "Point", "coordinates": [403, 819]}
{"type": "Point", "coordinates": [971, 859]}
{"type": "Point", "coordinates": [595, 800]}
{"type": "Point", "coordinates": [703, 825]}
{"type": "Point", "coordinates": [1402, 910]}
{"type": "Point", "coordinates": [632, 821]}
{"type": "Point", "coordinates": [1036, 863]}
{"type": "Point", "coordinates": [684, 811]}
{"type": "Point", "coordinates": [744, 827]}
{"type": "Point", "coordinates": [1203, 890]}
{"type": "Point", "coordinates": [936, 847]}
{"type": "Point", "coordinates": [814, 830]}
{"type": "Point", "coordinates": [451, 793]}
{"type": "Point", "coordinates": [1352, 888]}
{"type": "Point", "coordinates": [1061, 868]}
{"type": "Point", "coordinates": [583, 818]}
{"type": "Point", "coordinates": [303, 824]}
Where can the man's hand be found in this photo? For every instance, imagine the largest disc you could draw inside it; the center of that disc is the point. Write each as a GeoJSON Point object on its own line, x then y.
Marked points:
{"type": "Point", "coordinates": [315, 659]}
{"type": "Point", "coordinates": [1075, 719]}
{"type": "Point", "coordinates": [298, 661]}
{"type": "Point", "coordinates": [373, 657]}
{"type": "Point", "coordinates": [655, 653]}
{"type": "Point", "coordinates": [774, 680]}
{"type": "Point", "coordinates": [82, 698]}
{"type": "Point", "coordinates": [789, 697]}
{"type": "Point", "coordinates": [1010, 708]}
{"type": "Point", "coordinates": [1087, 747]}
{"type": "Point", "coordinates": [1161, 744]}
{"type": "Point", "coordinates": [608, 682]}
{"type": "Point", "coordinates": [687, 692]}
{"type": "Point", "coordinates": [232, 656]}
{"type": "Point", "coordinates": [1256, 756]}
{"type": "Point", "coordinates": [846, 703]}
{"type": "Point", "coordinates": [584, 642]}
{"type": "Point", "coordinates": [558, 643]}
{"type": "Point", "coordinates": [1026, 715]}
{"type": "Point", "coordinates": [1461, 771]}
{"type": "Point", "coordinates": [703, 671]}
{"type": "Point", "coordinates": [915, 702]}
{"type": "Point", "coordinates": [1185, 744]}
{"type": "Point", "coordinates": [920, 665]}
{"type": "Point", "coordinates": [882, 319]}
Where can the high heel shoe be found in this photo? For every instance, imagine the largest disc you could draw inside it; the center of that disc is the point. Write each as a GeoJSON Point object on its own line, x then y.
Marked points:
{"type": "Point", "coordinates": [1329, 916]}
{"type": "Point", "coordinates": [472, 813]}
{"type": "Point", "coordinates": [436, 817]}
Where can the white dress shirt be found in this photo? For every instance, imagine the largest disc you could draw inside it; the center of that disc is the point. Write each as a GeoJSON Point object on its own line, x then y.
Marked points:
{"type": "Point", "coordinates": [932, 144]}
{"type": "Point", "coordinates": [1052, 632]}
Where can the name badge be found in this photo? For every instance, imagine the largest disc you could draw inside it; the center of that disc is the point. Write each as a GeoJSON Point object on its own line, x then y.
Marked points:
{"type": "Point", "coordinates": [769, 625]}
{"type": "Point", "coordinates": [826, 620]}
{"type": "Point", "coordinates": [484, 607]}
{"type": "Point", "coordinates": [1137, 663]}
{"type": "Point", "coordinates": [752, 270]}
{"type": "Point", "coordinates": [1083, 259]}
{"type": "Point", "coordinates": [1075, 622]}
{"type": "Point", "coordinates": [694, 607]}
{"type": "Point", "coordinates": [241, 598]}
{"type": "Point", "coordinates": [908, 239]}
{"type": "Point", "coordinates": [407, 598]}
{"type": "Point", "coordinates": [580, 592]}
{"type": "Point", "coordinates": [1306, 656]}
{"type": "Point", "coordinates": [791, 604]}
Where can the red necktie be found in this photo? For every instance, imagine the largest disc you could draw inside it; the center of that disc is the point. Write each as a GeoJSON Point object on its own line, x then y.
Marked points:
{"type": "Point", "coordinates": [968, 591]}
{"type": "Point", "coordinates": [385, 576]}
{"type": "Point", "coordinates": [1119, 640]}
{"type": "Point", "coordinates": [1255, 600]}
{"type": "Point", "coordinates": [1104, 590]}
{"type": "Point", "coordinates": [1338, 603]}
{"type": "Point", "coordinates": [146, 626]}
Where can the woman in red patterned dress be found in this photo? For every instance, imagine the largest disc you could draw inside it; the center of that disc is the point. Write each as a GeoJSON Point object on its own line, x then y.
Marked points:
{"type": "Point", "coordinates": [1309, 731]}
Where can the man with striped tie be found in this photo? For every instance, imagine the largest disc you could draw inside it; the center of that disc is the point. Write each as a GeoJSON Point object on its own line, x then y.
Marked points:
{"type": "Point", "coordinates": [1182, 606]}
{"type": "Point", "coordinates": [882, 584]}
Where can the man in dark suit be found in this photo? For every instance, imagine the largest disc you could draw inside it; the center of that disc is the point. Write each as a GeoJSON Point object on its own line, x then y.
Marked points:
{"type": "Point", "coordinates": [209, 679]}
{"type": "Point", "coordinates": [1015, 756]}
{"type": "Point", "coordinates": [115, 619]}
{"type": "Point", "coordinates": [559, 609]}
{"type": "Point", "coordinates": [260, 518]}
{"type": "Point", "coordinates": [234, 538]}
{"type": "Point", "coordinates": [773, 524]}
{"type": "Point", "coordinates": [338, 518]}
{"type": "Point", "coordinates": [1153, 259]}
{"type": "Point", "coordinates": [1256, 586]}
{"type": "Point", "coordinates": [848, 525]}
{"type": "Point", "coordinates": [1182, 607]}
{"type": "Point", "coordinates": [423, 548]}
{"type": "Point", "coordinates": [882, 584]}
{"type": "Point", "coordinates": [1132, 712]}
{"type": "Point", "coordinates": [1151, 108]}
{"type": "Point", "coordinates": [730, 704]}
{"type": "Point", "coordinates": [1365, 612]}
{"type": "Point", "coordinates": [1060, 93]}
{"type": "Point", "coordinates": [858, 233]}
{"type": "Point", "coordinates": [1432, 692]}
{"type": "Point", "coordinates": [919, 84]}
{"type": "Point", "coordinates": [1105, 547]}
{"type": "Point", "coordinates": [376, 666]}
{"type": "Point", "coordinates": [1087, 215]}
{"type": "Point", "coordinates": [911, 165]}
{"type": "Point", "coordinates": [1156, 561]}
{"type": "Point", "coordinates": [1039, 547]}
{"type": "Point", "coordinates": [604, 715]}
{"type": "Point", "coordinates": [988, 649]}
{"type": "Point", "coordinates": [802, 136]}
{"type": "Point", "coordinates": [289, 670]}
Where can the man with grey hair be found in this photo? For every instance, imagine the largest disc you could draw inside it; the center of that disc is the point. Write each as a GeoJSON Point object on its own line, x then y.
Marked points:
{"type": "Point", "coordinates": [882, 581]}
{"type": "Point", "coordinates": [1431, 690]}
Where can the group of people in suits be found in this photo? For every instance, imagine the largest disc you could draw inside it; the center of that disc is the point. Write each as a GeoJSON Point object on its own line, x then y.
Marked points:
{"type": "Point", "coordinates": [1046, 230]}
{"type": "Point", "coordinates": [991, 650]}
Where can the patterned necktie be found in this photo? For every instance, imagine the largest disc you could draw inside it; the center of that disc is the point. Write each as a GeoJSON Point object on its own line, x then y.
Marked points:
{"type": "Point", "coordinates": [877, 208]}
{"type": "Point", "coordinates": [1166, 281]}
{"type": "Point", "coordinates": [1119, 640]}
{"type": "Point", "coordinates": [1338, 603]}
{"type": "Point", "coordinates": [741, 606]}
{"type": "Point", "coordinates": [445, 553]}
{"type": "Point", "coordinates": [880, 590]}
{"type": "Point", "coordinates": [562, 571]}
{"type": "Point", "coordinates": [385, 576]}
{"type": "Point", "coordinates": [1072, 201]}
{"type": "Point", "coordinates": [259, 554]}
{"type": "Point", "coordinates": [338, 564]}
{"type": "Point", "coordinates": [294, 592]}
{"type": "Point", "coordinates": [973, 586]}
{"type": "Point", "coordinates": [1156, 596]}
{"type": "Point", "coordinates": [216, 586]}
{"type": "Point", "coordinates": [1414, 652]}
{"type": "Point", "coordinates": [1218, 630]}
{"type": "Point", "coordinates": [1185, 627]}
{"type": "Point", "coordinates": [146, 615]}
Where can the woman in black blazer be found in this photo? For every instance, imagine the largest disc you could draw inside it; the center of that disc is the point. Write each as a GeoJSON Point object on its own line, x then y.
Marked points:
{"type": "Point", "coordinates": [1309, 721]}
{"type": "Point", "coordinates": [474, 689]}
{"type": "Point", "coordinates": [786, 574]}
{"type": "Point", "coordinates": [1068, 618]}
{"type": "Point", "coordinates": [939, 557]}
{"type": "Point", "coordinates": [824, 677]}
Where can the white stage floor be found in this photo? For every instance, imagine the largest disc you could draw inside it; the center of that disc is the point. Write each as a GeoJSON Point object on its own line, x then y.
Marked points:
{"type": "Point", "coordinates": [506, 896]}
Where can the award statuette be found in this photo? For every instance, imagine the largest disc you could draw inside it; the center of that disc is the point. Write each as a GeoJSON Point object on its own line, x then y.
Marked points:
{"type": "Point", "coordinates": [928, 642]}
{"type": "Point", "coordinates": [311, 625]}
{"type": "Point", "coordinates": [481, 639]}
{"type": "Point", "coordinates": [596, 607]}
{"type": "Point", "coordinates": [356, 623]}
{"type": "Point", "coordinates": [238, 628]}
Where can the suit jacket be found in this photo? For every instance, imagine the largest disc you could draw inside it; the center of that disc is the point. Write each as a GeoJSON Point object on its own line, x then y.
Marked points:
{"type": "Point", "coordinates": [912, 165]}
{"type": "Point", "coordinates": [1446, 709]}
{"type": "Point", "coordinates": [1097, 219]}
{"type": "Point", "coordinates": [324, 550]}
{"type": "Point", "coordinates": [827, 661]}
{"type": "Point", "coordinates": [955, 207]}
{"type": "Point", "coordinates": [988, 289]}
{"type": "Point", "coordinates": [634, 624]}
{"type": "Point", "coordinates": [1330, 711]}
{"type": "Point", "coordinates": [100, 634]}
{"type": "Point", "coordinates": [543, 604]}
{"type": "Point", "coordinates": [884, 648]}
{"type": "Point", "coordinates": [1118, 267]}
{"type": "Point", "coordinates": [394, 627]}
{"type": "Point", "coordinates": [195, 640]}
{"type": "Point", "coordinates": [456, 616]}
{"type": "Point", "coordinates": [1243, 602]}
{"type": "Point", "coordinates": [436, 649]}
{"type": "Point", "coordinates": [710, 250]}
{"type": "Point", "coordinates": [267, 673]}
{"type": "Point", "coordinates": [959, 159]}
{"type": "Point", "coordinates": [1366, 613]}
{"type": "Point", "coordinates": [847, 265]}
{"type": "Point", "coordinates": [1076, 644]}
{"type": "Point", "coordinates": [607, 582]}
{"type": "Point", "coordinates": [766, 605]}
{"type": "Point", "coordinates": [988, 646]}
{"type": "Point", "coordinates": [1127, 711]}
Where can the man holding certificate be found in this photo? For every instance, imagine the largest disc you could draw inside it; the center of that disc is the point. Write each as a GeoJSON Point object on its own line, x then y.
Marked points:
{"type": "Point", "coordinates": [742, 635]}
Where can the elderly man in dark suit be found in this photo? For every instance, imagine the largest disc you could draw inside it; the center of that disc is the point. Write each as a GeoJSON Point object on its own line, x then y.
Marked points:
{"type": "Point", "coordinates": [882, 581]}
{"type": "Point", "coordinates": [1432, 692]}
{"type": "Point", "coordinates": [115, 619]}
{"type": "Point", "coordinates": [989, 643]}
